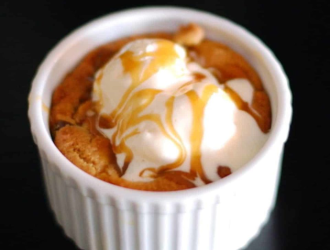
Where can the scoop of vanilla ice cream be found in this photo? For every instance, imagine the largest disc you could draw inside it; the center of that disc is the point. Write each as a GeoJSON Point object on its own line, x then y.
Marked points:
{"type": "Point", "coordinates": [165, 113]}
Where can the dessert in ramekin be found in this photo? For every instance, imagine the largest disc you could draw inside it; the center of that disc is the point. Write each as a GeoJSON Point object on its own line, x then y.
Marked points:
{"type": "Point", "coordinates": [161, 111]}
{"type": "Point", "coordinates": [222, 214]}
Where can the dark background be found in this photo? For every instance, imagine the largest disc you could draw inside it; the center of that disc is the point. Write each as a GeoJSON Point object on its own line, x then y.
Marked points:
{"type": "Point", "coordinates": [297, 32]}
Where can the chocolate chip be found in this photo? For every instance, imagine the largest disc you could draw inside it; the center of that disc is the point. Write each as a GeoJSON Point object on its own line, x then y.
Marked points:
{"type": "Point", "coordinates": [223, 171]}
{"type": "Point", "coordinates": [61, 124]}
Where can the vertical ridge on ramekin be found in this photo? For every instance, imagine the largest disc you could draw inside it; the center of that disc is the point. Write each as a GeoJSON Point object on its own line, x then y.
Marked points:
{"type": "Point", "coordinates": [163, 231]}
{"type": "Point", "coordinates": [61, 189]}
{"type": "Point", "coordinates": [77, 218]}
{"type": "Point", "coordinates": [222, 225]}
{"type": "Point", "coordinates": [152, 230]}
{"type": "Point", "coordinates": [213, 217]}
{"type": "Point", "coordinates": [174, 231]}
{"type": "Point", "coordinates": [136, 229]}
{"type": "Point", "coordinates": [183, 230]}
{"type": "Point", "coordinates": [204, 222]}
{"type": "Point", "coordinates": [91, 218]}
{"type": "Point", "coordinates": [193, 232]}
{"type": "Point", "coordinates": [55, 196]}
{"type": "Point", "coordinates": [131, 224]}
{"type": "Point", "coordinates": [45, 170]}
{"type": "Point", "coordinates": [45, 175]}
{"type": "Point", "coordinates": [126, 222]}
{"type": "Point", "coordinates": [58, 198]}
{"type": "Point", "coordinates": [73, 215]}
{"type": "Point", "coordinates": [116, 220]}
{"type": "Point", "coordinates": [142, 230]}
{"type": "Point", "coordinates": [69, 223]}
{"type": "Point", "coordinates": [109, 227]}
{"type": "Point", "coordinates": [51, 188]}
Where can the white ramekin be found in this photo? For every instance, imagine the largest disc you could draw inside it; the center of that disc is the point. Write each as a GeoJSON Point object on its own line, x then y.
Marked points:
{"type": "Point", "coordinates": [223, 215]}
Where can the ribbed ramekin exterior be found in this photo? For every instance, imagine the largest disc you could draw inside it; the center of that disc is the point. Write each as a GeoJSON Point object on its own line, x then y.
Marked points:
{"type": "Point", "coordinates": [229, 220]}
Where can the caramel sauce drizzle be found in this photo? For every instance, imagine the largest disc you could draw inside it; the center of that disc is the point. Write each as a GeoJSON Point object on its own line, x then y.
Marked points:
{"type": "Point", "coordinates": [244, 106]}
{"type": "Point", "coordinates": [127, 114]}
{"type": "Point", "coordinates": [198, 106]}
{"type": "Point", "coordinates": [99, 93]}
